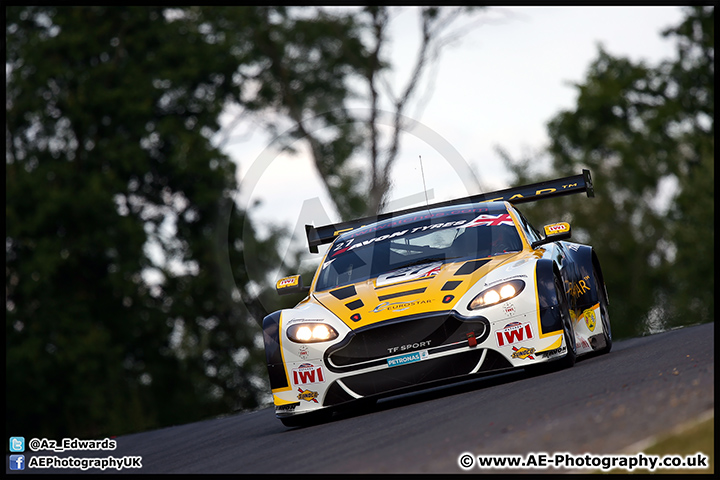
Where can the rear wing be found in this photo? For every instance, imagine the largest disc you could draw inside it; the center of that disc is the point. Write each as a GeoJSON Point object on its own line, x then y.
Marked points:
{"type": "Point", "coordinates": [527, 193]}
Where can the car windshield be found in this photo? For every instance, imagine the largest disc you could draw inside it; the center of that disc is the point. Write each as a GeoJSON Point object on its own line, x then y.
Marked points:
{"type": "Point", "coordinates": [417, 245]}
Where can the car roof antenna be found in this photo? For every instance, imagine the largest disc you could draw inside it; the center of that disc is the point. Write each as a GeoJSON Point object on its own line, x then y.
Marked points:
{"type": "Point", "coordinates": [422, 172]}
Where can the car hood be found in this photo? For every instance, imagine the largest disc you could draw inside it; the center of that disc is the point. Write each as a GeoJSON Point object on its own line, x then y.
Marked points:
{"type": "Point", "coordinates": [433, 288]}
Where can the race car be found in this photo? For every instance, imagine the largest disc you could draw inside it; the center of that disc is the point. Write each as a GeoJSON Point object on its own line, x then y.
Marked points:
{"type": "Point", "coordinates": [437, 293]}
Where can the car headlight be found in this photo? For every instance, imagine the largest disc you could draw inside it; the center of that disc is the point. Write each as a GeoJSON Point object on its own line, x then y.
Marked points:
{"type": "Point", "coordinates": [311, 333]}
{"type": "Point", "coordinates": [497, 294]}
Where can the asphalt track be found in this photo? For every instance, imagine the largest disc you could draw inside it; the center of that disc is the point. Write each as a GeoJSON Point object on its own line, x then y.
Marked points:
{"type": "Point", "coordinates": [602, 405]}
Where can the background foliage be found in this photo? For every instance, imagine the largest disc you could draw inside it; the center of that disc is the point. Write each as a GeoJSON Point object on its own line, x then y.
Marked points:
{"type": "Point", "coordinates": [128, 306]}
{"type": "Point", "coordinates": [647, 135]}
{"type": "Point", "coordinates": [121, 312]}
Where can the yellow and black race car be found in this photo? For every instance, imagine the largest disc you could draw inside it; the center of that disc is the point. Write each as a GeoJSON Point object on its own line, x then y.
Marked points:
{"type": "Point", "coordinates": [433, 294]}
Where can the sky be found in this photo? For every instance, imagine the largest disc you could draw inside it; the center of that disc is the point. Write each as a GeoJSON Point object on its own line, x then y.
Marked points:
{"type": "Point", "coordinates": [497, 87]}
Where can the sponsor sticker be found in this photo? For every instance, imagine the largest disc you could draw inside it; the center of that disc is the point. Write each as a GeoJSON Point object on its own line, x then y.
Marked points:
{"type": "Point", "coordinates": [407, 358]}
{"type": "Point", "coordinates": [412, 219]}
{"type": "Point", "coordinates": [506, 279]}
{"type": "Point", "coordinates": [303, 352]}
{"type": "Point", "coordinates": [399, 306]}
{"type": "Point", "coordinates": [579, 288]}
{"type": "Point", "coordinates": [557, 228]}
{"type": "Point", "coordinates": [307, 395]}
{"type": "Point", "coordinates": [513, 332]}
{"type": "Point", "coordinates": [553, 353]}
{"type": "Point", "coordinates": [486, 220]}
{"type": "Point", "coordinates": [288, 407]}
{"type": "Point", "coordinates": [523, 353]}
{"type": "Point", "coordinates": [590, 319]}
{"type": "Point", "coordinates": [288, 282]}
{"type": "Point", "coordinates": [303, 320]}
{"type": "Point", "coordinates": [409, 346]}
{"type": "Point", "coordinates": [307, 373]}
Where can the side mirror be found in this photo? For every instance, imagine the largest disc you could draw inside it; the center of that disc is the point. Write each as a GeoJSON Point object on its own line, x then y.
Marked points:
{"type": "Point", "coordinates": [553, 233]}
{"type": "Point", "coordinates": [290, 285]}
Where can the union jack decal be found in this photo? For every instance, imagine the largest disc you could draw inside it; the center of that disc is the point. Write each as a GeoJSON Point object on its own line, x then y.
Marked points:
{"type": "Point", "coordinates": [486, 220]}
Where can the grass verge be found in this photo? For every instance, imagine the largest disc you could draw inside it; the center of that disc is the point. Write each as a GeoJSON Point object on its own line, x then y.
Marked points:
{"type": "Point", "coordinates": [686, 443]}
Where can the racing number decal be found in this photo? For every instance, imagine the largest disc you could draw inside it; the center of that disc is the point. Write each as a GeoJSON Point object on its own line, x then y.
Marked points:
{"type": "Point", "coordinates": [409, 273]}
{"type": "Point", "coordinates": [341, 247]}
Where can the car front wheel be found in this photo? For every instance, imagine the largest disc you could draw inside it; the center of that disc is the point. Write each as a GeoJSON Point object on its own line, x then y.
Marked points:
{"type": "Point", "coordinates": [568, 360]}
{"type": "Point", "coordinates": [604, 314]}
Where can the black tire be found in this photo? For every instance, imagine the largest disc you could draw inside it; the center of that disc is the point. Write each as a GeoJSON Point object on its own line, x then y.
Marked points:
{"type": "Point", "coordinates": [569, 359]}
{"type": "Point", "coordinates": [604, 314]}
{"type": "Point", "coordinates": [568, 331]}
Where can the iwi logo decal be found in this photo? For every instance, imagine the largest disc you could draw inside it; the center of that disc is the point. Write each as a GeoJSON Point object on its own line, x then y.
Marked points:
{"type": "Point", "coordinates": [513, 332]}
{"type": "Point", "coordinates": [308, 373]}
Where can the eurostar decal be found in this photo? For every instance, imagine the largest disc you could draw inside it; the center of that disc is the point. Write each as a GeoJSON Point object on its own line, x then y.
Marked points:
{"type": "Point", "coordinates": [398, 306]}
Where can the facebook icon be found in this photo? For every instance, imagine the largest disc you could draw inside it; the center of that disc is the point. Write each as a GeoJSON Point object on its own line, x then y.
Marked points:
{"type": "Point", "coordinates": [17, 462]}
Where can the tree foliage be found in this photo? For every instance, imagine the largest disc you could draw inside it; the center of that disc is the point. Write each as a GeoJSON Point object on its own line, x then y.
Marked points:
{"type": "Point", "coordinates": [437, 29]}
{"type": "Point", "coordinates": [126, 297]}
{"type": "Point", "coordinates": [305, 104]}
{"type": "Point", "coordinates": [352, 154]}
{"type": "Point", "coordinates": [647, 135]}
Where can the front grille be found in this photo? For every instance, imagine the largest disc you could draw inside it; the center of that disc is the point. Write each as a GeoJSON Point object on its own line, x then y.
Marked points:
{"type": "Point", "coordinates": [417, 375]}
{"type": "Point", "coordinates": [371, 345]}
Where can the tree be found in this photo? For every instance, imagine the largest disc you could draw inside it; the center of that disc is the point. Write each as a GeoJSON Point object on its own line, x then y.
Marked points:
{"type": "Point", "coordinates": [436, 33]}
{"type": "Point", "coordinates": [307, 57]}
{"type": "Point", "coordinates": [352, 157]}
{"type": "Point", "coordinates": [352, 153]}
{"type": "Point", "coordinates": [124, 280]}
{"type": "Point", "coordinates": [692, 230]}
{"type": "Point", "coordinates": [647, 135]}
